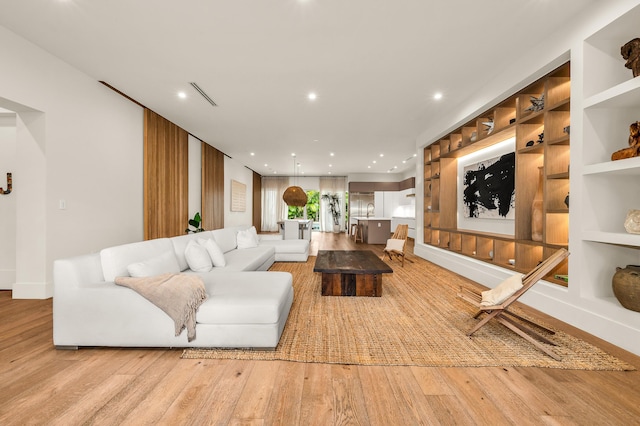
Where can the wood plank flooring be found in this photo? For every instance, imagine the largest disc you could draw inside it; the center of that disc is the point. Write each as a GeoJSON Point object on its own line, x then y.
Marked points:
{"type": "Point", "coordinates": [106, 386]}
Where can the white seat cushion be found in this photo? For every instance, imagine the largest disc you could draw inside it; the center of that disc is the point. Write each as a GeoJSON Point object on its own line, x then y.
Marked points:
{"type": "Point", "coordinates": [502, 292]}
{"type": "Point", "coordinates": [394, 244]}
{"type": "Point", "coordinates": [287, 246]}
{"type": "Point", "coordinates": [245, 298]}
{"type": "Point", "coordinates": [249, 259]}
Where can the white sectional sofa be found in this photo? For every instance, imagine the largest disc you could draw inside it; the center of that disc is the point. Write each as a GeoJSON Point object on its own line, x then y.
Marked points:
{"type": "Point", "coordinates": [246, 306]}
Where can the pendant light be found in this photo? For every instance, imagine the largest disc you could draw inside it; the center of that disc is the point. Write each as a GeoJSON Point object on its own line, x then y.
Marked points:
{"type": "Point", "coordinates": [294, 195]}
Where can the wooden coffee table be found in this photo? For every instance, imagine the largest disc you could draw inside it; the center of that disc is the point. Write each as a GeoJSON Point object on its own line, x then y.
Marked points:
{"type": "Point", "coordinates": [351, 272]}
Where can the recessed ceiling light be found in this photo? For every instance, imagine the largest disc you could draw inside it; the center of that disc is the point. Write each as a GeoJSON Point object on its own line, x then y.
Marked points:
{"type": "Point", "coordinates": [182, 95]}
{"type": "Point", "coordinates": [293, 154]}
{"type": "Point", "coordinates": [374, 161]}
{"type": "Point", "coordinates": [330, 165]}
{"type": "Point", "coordinates": [368, 167]}
{"type": "Point", "coordinates": [328, 173]}
{"type": "Point", "coordinates": [381, 155]}
{"type": "Point", "coordinates": [266, 165]}
{"type": "Point", "coordinates": [404, 161]}
{"type": "Point", "coordinates": [437, 96]}
{"type": "Point", "coordinates": [252, 154]}
{"type": "Point", "coordinates": [312, 96]}
{"type": "Point", "coordinates": [331, 154]}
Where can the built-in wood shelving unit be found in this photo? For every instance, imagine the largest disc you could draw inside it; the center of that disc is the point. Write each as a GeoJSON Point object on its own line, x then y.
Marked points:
{"type": "Point", "coordinates": [511, 118]}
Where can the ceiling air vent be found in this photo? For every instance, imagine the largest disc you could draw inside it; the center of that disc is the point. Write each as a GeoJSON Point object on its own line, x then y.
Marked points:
{"type": "Point", "coordinates": [204, 95]}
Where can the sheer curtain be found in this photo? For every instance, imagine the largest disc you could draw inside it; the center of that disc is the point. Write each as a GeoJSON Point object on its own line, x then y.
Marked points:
{"type": "Point", "coordinates": [274, 208]}
{"type": "Point", "coordinates": [332, 185]}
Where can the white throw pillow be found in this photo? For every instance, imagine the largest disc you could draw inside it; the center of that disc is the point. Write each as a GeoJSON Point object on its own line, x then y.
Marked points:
{"type": "Point", "coordinates": [215, 252]}
{"type": "Point", "coordinates": [502, 292]}
{"type": "Point", "coordinates": [248, 238]}
{"type": "Point", "coordinates": [163, 264]}
{"type": "Point", "coordinates": [395, 244]}
{"type": "Point", "coordinates": [197, 257]}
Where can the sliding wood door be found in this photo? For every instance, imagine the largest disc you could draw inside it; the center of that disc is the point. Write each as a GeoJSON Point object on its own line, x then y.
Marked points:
{"type": "Point", "coordinates": [212, 188]}
{"type": "Point", "coordinates": [166, 181]}
{"type": "Point", "coordinates": [257, 201]}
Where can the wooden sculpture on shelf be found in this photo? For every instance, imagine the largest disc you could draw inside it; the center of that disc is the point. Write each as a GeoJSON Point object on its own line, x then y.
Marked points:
{"type": "Point", "coordinates": [9, 186]}
{"type": "Point", "coordinates": [634, 144]}
{"type": "Point", "coordinates": [630, 51]}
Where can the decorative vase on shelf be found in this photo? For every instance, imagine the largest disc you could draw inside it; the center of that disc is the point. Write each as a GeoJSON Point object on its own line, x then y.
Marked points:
{"type": "Point", "coordinates": [536, 210]}
{"type": "Point", "coordinates": [632, 222]}
{"type": "Point", "coordinates": [626, 287]}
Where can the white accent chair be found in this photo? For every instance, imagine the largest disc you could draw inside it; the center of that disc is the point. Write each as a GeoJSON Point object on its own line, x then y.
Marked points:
{"type": "Point", "coordinates": [291, 230]}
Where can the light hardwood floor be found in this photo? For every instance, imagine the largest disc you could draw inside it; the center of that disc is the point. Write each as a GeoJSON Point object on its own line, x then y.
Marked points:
{"type": "Point", "coordinates": [42, 385]}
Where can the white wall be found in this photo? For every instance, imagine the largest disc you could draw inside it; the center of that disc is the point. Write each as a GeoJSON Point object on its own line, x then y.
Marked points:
{"type": "Point", "coordinates": [308, 183]}
{"type": "Point", "coordinates": [77, 141]}
{"type": "Point", "coordinates": [233, 170]}
{"type": "Point", "coordinates": [7, 202]}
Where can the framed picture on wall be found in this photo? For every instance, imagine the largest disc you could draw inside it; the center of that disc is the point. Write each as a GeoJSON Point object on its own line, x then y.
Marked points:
{"type": "Point", "coordinates": [238, 196]}
{"type": "Point", "coordinates": [486, 189]}
{"type": "Point", "coordinates": [489, 188]}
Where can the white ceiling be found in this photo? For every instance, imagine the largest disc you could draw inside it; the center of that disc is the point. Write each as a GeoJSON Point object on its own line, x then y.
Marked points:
{"type": "Point", "coordinates": [374, 64]}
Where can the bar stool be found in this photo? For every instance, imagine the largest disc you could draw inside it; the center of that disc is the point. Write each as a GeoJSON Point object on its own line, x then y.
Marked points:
{"type": "Point", "coordinates": [353, 231]}
{"type": "Point", "coordinates": [358, 236]}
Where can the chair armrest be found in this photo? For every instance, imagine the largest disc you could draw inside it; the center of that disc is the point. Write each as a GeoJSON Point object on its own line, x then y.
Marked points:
{"type": "Point", "coordinates": [470, 296]}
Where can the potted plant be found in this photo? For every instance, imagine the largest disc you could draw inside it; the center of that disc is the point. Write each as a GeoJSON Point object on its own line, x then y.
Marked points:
{"type": "Point", "coordinates": [195, 223]}
{"type": "Point", "coordinates": [334, 208]}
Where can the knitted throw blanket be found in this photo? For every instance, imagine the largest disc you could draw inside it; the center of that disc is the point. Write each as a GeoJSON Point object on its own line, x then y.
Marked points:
{"type": "Point", "coordinates": [178, 295]}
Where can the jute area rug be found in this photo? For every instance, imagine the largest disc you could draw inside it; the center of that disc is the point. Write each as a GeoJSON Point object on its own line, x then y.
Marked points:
{"type": "Point", "coordinates": [418, 321]}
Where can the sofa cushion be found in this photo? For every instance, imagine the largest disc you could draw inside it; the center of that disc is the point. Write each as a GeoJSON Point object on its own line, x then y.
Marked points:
{"type": "Point", "coordinates": [248, 259]}
{"type": "Point", "coordinates": [115, 260]}
{"type": "Point", "coordinates": [247, 238]}
{"type": "Point", "coordinates": [215, 253]}
{"type": "Point", "coordinates": [198, 257]}
{"type": "Point", "coordinates": [226, 238]}
{"type": "Point", "coordinates": [245, 298]}
{"type": "Point", "coordinates": [180, 245]}
{"type": "Point", "coordinates": [286, 246]}
{"type": "Point", "coordinates": [163, 264]}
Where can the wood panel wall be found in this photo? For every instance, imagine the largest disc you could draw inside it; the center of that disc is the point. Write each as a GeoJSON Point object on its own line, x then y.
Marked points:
{"type": "Point", "coordinates": [257, 201]}
{"type": "Point", "coordinates": [212, 188]}
{"type": "Point", "coordinates": [166, 177]}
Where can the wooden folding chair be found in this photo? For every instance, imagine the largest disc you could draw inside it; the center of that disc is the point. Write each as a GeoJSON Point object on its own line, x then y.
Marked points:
{"type": "Point", "coordinates": [394, 245]}
{"type": "Point", "coordinates": [505, 317]}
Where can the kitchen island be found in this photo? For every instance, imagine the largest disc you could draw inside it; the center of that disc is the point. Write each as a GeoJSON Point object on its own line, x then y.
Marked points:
{"type": "Point", "coordinates": [375, 230]}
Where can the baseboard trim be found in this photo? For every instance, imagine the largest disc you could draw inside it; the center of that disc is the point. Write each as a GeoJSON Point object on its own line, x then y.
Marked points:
{"type": "Point", "coordinates": [32, 291]}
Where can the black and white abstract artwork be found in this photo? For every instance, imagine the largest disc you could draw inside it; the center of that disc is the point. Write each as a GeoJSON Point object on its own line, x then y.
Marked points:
{"type": "Point", "coordinates": [489, 188]}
